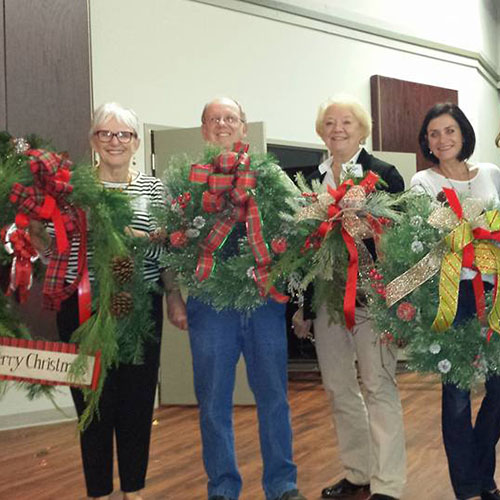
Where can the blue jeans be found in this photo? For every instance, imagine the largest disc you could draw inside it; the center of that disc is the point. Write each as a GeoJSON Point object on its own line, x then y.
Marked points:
{"type": "Point", "coordinates": [217, 340]}
{"type": "Point", "coordinates": [470, 448]}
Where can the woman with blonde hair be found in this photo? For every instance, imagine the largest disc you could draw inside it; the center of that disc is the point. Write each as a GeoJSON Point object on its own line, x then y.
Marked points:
{"type": "Point", "coordinates": [369, 427]}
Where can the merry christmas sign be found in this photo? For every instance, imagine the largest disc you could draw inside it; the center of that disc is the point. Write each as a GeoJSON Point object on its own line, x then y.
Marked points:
{"type": "Point", "coordinates": [48, 363]}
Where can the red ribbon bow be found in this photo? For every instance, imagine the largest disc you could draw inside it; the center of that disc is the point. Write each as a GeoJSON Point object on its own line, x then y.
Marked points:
{"type": "Point", "coordinates": [230, 179]}
{"type": "Point", "coordinates": [334, 218]}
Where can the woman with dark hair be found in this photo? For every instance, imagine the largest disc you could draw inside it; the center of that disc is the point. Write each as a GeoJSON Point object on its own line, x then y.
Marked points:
{"type": "Point", "coordinates": [447, 139]}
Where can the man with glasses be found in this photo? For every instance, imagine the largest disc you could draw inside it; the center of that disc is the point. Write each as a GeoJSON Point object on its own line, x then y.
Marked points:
{"type": "Point", "coordinates": [218, 338]}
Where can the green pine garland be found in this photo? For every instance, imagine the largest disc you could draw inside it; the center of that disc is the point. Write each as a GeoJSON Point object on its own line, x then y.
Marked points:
{"type": "Point", "coordinates": [231, 284]}
{"type": "Point", "coordinates": [461, 355]}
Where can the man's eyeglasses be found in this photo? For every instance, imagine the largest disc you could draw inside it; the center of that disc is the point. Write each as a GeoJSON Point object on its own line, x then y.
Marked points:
{"type": "Point", "coordinates": [107, 136]}
{"type": "Point", "coordinates": [228, 120]}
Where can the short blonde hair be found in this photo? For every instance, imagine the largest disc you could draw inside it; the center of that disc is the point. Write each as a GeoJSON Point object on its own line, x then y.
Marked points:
{"type": "Point", "coordinates": [355, 107]}
{"type": "Point", "coordinates": [114, 110]}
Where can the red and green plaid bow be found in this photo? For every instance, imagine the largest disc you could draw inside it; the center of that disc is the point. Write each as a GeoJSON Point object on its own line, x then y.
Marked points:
{"type": "Point", "coordinates": [230, 179]}
{"type": "Point", "coordinates": [46, 200]}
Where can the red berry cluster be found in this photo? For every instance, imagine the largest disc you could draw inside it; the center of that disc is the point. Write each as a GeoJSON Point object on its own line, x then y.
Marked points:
{"type": "Point", "coordinates": [313, 196]}
{"type": "Point", "coordinates": [386, 338]}
{"type": "Point", "coordinates": [178, 239]}
{"type": "Point", "coordinates": [182, 200]}
{"type": "Point", "coordinates": [279, 245]}
{"type": "Point", "coordinates": [377, 284]}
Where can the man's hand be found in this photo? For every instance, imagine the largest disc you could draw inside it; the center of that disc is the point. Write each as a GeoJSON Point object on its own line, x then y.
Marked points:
{"type": "Point", "coordinates": [176, 310]}
{"type": "Point", "coordinates": [301, 326]}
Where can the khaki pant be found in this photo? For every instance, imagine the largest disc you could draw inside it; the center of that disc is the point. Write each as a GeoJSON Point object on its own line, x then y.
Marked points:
{"type": "Point", "coordinates": [370, 426]}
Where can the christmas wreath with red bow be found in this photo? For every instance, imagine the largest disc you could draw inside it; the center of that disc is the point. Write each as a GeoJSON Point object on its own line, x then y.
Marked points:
{"type": "Point", "coordinates": [226, 221]}
{"type": "Point", "coordinates": [328, 248]}
{"type": "Point", "coordinates": [43, 186]}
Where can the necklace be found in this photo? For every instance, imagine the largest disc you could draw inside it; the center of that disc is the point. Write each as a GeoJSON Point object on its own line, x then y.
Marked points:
{"type": "Point", "coordinates": [469, 187]}
{"type": "Point", "coordinates": [118, 185]}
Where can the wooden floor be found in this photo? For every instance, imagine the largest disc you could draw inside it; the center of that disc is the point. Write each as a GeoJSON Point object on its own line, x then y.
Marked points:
{"type": "Point", "coordinates": [44, 463]}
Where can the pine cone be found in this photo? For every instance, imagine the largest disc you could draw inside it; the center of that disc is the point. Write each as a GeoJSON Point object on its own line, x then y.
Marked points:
{"type": "Point", "coordinates": [122, 268]}
{"type": "Point", "coordinates": [121, 304]}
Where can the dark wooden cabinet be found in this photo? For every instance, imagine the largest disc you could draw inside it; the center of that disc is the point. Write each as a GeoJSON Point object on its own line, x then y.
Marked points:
{"type": "Point", "coordinates": [45, 86]}
{"type": "Point", "coordinates": [3, 111]}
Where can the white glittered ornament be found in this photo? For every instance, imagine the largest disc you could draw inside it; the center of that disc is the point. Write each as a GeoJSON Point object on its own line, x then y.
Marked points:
{"type": "Point", "coordinates": [417, 246]}
{"type": "Point", "coordinates": [198, 222]}
{"type": "Point", "coordinates": [416, 221]}
{"type": "Point", "coordinates": [192, 233]}
{"type": "Point", "coordinates": [444, 366]}
{"type": "Point", "coordinates": [434, 348]}
{"type": "Point", "coordinates": [21, 145]}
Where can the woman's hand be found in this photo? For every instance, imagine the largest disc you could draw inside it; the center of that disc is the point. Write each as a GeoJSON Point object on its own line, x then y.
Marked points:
{"type": "Point", "coordinates": [176, 310]}
{"type": "Point", "coordinates": [135, 233]}
{"type": "Point", "coordinates": [301, 326]}
{"type": "Point", "coordinates": [39, 237]}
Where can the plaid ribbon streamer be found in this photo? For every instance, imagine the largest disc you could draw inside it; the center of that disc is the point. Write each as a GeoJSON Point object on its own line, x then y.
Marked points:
{"type": "Point", "coordinates": [46, 199]}
{"type": "Point", "coordinates": [229, 180]}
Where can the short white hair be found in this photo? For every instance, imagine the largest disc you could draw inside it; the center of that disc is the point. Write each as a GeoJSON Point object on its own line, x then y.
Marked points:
{"type": "Point", "coordinates": [355, 107]}
{"type": "Point", "coordinates": [243, 116]}
{"type": "Point", "coordinates": [114, 110]}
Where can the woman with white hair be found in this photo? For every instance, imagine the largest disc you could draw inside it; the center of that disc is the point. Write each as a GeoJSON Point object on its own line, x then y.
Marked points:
{"type": "Point", "coordinates": [126, 403]}
{"type": "Point", "coordinates": [370, 426]}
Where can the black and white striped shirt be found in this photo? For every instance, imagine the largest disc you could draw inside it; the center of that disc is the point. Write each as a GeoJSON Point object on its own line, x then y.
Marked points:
{"type": "Point", "coordinates": [145, 191]}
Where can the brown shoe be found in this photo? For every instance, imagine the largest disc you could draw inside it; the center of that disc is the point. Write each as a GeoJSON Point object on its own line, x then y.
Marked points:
{"type": "Point", "coordinates": [344, 489]}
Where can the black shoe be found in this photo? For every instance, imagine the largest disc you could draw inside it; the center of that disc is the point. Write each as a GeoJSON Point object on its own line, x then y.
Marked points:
{"type": "Point", "coordinates": [490, 495]}
{"type": "Point", "coordinates": [379, 496]}
{"type": "Point", "coordinates": [219, 497]}
{"type": "Point", "coordinates": [291, 495]}
{"type": "Point", "coordinates": [344, 489]}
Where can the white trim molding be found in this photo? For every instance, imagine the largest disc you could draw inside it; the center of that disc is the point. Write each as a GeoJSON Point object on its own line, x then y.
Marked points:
{"type": "Point", "coordinates": [361, 30]}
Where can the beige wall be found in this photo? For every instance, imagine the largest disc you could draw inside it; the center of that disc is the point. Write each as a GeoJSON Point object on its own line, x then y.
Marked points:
{"type": "Point", "coordinates": [176, 55]}
{"type": "Point", "coordinates": [465, 24]}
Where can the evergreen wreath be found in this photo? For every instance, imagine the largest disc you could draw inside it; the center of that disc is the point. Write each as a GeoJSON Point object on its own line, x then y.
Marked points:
{"type": "Point", "coordinates": [234, 279]}
{"type": "Point", "coordinates": [328, 243]}
{"type": "Point", "coordinates": [116, 264]}
{"type": "Point", "coordinates": [462, 354]}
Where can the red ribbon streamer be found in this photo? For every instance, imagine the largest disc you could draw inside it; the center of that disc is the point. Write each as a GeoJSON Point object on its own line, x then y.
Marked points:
{"type": "Point", "coordinates": [316, 238]}
{"type": "Point", "coordinates": [84, 294]}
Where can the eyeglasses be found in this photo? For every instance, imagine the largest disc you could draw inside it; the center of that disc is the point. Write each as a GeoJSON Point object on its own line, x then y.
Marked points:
{"type": "Point", "coordinates": [123, 136]}
{"type": "Point", "coordinates": [228, 120]}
